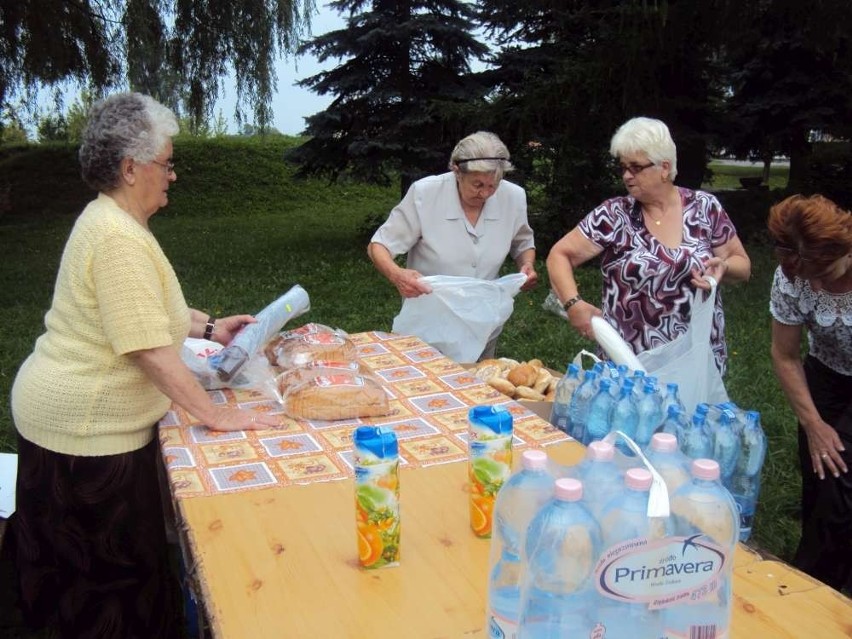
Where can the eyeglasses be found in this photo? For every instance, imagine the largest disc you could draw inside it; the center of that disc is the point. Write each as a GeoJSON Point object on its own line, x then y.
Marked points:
{"type": "Point", "coordinates": [632, 169]}
{"type": "Point", "coordinates": [785, 252]}
{"type": "Point", "coordinates": [168, 166]}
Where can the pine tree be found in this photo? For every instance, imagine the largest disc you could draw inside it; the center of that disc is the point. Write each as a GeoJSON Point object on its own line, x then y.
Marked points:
{"type": "Point", "coordinates": [404, 91]}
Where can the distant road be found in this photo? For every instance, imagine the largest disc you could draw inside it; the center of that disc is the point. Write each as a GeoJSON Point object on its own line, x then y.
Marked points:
{"type": "Point", "coordinates": [779, 162]}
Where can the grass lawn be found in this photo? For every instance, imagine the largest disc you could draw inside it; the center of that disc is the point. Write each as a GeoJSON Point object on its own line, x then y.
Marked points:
{"type": "Point", "coordinates": [240, 231]}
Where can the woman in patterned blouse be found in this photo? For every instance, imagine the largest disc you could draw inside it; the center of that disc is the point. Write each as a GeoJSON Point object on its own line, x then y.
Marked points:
{"type": "Point", "coordinates": [812, 291]}
{"type": "Point", "coordinates": [656, 244]}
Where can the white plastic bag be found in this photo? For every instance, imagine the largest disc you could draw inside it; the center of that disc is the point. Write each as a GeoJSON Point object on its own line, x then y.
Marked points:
{"type": "Point", "coordinates": [461, 314]}
{"type": "Point", "coordinates": [688, 359]}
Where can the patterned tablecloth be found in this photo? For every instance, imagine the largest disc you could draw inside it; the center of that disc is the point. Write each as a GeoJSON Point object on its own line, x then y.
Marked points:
{"type": "Point", "coordinates": [430, 396]}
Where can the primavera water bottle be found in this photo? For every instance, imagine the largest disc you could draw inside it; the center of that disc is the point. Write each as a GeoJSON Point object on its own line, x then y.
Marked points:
{"type": "Point", "coordinates": [726, 446]}
{"type": "Point", "coordinates": [624, 416]}
{"type": "Point", "coordinates": [675, 423]}
{"type": "Point", "coordinates": [598, 424]}
{"type": "Point", "coordinates": [650, 414]}
{"type": "Point", "coordinates": [705, 517]}
{"type": "Point", "coordinates": [666, 458]}
{"type": "Point", "coordinates": [745, 485]}
{"type": "Point", "coordinates": [560, 415]}
{"type": "Point", "coordinates": [562, 545]}
{"type": "Point", "coordinates": [697, 442]}
{"type": "Point", "coordinates": [602, 478]}
{"type": "Point", "coordinates": [625, 524]}
{"type": "Point", "coordinates": [672, 397]}
{"type": "Point", "coordinates": [580, 402]}
{"type": "Point", "coordinates": [518, 501]}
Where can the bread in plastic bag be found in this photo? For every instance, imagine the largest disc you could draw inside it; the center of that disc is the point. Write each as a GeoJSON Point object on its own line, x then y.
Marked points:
{"type": "Point", "coordinates": [276, 346]}
{"type": "Point", "coordinates": [333, 397]}
{"type": "Point", "coordinates": [292, 377]}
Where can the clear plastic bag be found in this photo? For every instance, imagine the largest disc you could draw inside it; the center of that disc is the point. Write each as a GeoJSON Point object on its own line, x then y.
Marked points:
{"type": "Point", "coordinates": [461, 314]}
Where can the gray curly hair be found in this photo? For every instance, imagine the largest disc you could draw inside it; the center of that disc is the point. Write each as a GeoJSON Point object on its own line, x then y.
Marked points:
{"type": "Point", "coordinates": [124, 125]}
{"type": "Point", "coordinates": [481, 152]}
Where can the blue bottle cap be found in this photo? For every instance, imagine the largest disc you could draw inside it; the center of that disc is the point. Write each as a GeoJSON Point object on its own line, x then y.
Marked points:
{"type": "Point", "coordinates": [379, 441]}
{"type": "Point", "coordinates": [496, 418]}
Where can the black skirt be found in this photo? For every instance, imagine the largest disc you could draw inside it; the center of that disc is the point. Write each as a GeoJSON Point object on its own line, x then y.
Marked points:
{"type": "Point", "coordinates": [90, 545]}
{"type": "Point", "coordinates": [825, 549]}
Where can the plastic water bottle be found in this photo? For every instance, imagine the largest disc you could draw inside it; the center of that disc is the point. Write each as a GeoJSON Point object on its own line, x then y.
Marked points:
{"type": "Point", "coordinates": [672, 397]}
{"type": "Point", "coordinates": [639, 380]}
{"type": "Point", "coordinates": [625, 416]}
{"type": "Point", "coordinates": [602, 478]}
{"type": "Point", "coordinates": [560, 415]}
{"type": "Point", "coordinates": [581, 401]}
{"type": "Point", "coordinates": [745, 485]}
{"type": "Point", "coordinates": [675, 423]}
{"type": "Point", "coordinates": [626, 519]}
{"type": "Point", "coordinates": [597, 426]}
{"type": "Point", "coordinates": [562, 545]}
{"type": "Point", "coordinates": [666, 458]}
{"type": "Point", "coordinates": [650, 415]}
{"type": "Point", "coordinates": [518, 501]}
{"type": "Point", "coordinates": [697, 442]}
{"type": "Point", "coordinates": [705, 516]}
{"type": "Point", "coordinates": [726, 446]}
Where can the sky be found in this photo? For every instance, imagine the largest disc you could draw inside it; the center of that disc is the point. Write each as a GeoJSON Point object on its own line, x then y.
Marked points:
{"type": "Point", "coordinates": [291, 104]}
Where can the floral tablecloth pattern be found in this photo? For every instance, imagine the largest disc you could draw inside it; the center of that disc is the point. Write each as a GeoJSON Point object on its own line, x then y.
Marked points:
{"type": "Point", "coordinates": [429, 394]}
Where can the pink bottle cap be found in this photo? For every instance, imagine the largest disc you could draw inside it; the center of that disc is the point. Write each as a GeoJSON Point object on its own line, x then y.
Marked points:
{"type": "Point", "coordinates": [534, 459]}
{"type": "Point", "coordinates": [600, 451]}
{"type": "Point", "coordinates": [705, 469]}
{"type": "Point", "coordinates": [638, 479]}
{"type": "Point", "coordinates": [568, 489]}
{"type": "Point", "coordinates": [664, 442]}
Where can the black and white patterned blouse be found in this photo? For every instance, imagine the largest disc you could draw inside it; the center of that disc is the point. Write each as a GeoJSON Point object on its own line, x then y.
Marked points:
{"type": "Point", "coordinates": [827, 317]}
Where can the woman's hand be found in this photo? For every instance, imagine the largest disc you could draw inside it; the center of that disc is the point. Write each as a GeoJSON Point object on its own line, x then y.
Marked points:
{"type": "Point", "coordinates": [409, 284]}
{"type": "Point", "coordinates": [715, 267]}
{"type": "Point", "coordinates": [825, 447]}
{"type": "Point", "coordinates": [532, 277]}
{"type": "Point", "coordinates": [226, 328]}
{"type": "Point", "coordinates": [580, 316]}
{"type": "Point", "coordinates": [228, 419]}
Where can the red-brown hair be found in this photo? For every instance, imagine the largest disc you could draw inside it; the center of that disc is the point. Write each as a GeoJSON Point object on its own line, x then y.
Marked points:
{"type": "Point", "coordinates": [813, 230]}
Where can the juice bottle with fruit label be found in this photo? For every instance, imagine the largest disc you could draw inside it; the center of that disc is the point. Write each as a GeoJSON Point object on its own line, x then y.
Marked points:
{"type": "Point", "coordinates": [376, 461]}
{"type": "Point", "coordinates": [490, 462]}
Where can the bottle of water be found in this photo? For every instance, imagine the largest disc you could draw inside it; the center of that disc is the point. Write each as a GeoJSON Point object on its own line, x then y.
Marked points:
{"type": "Point", "coordinates": [581, 401]}
{"type": "Point", "coordinates": [597, 426]}
{"type": "Point", "coordinates": [672, 397]}
{"type": "Point", "coordinates": [697, 442]}
{"type": "Point", "coordinates": [625, 416]}
{"type": "Point", "coordinates": [666, 458]}
{"type": "Point", "coordinates": [650, 415]}
{"type": "Point", "coordinates": [563, 543]}
{"type": "Point", "coordinates": [518, 501]}
{"type": "Point", "coordinates": [625, 519]}
{"type": "Point", "coordinates": [639, 380]}
{"type": "Point", "coordinates": [560, 414]}
{"type": "Point", "coordinates": [745, 485]}
{"type": "Point", "coordinates": [675, 423]}
{"type": "Point", "coordinates": [726, 446]}
{"type": "Point", "coordinates": [601, 476]}
{"type": "Point", "coordinates": [705, 516]}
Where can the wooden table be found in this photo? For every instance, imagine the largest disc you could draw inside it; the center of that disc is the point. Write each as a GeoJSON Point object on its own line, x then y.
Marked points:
{"type": "Point", "coordinates": [281, 563]}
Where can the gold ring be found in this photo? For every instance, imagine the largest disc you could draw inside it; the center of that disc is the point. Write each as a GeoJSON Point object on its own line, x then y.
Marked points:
{"type": "Point", "coordinates": [824, 455]}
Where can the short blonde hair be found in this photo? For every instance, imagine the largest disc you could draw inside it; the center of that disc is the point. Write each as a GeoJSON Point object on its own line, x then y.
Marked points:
{"type": "Point", "coordinates": [648, 136]}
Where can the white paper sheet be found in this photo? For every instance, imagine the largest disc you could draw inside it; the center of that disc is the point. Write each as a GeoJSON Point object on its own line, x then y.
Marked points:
{"type": "Point", "coordinates": [8, 473]}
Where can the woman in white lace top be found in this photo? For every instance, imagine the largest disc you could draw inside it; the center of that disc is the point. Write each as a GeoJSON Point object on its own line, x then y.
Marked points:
{"type": "Point", "coordinates": [812, 291]}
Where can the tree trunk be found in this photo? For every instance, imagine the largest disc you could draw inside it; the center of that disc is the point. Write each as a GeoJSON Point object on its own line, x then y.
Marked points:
{"type": "Point", "coordinates": [800, 154]}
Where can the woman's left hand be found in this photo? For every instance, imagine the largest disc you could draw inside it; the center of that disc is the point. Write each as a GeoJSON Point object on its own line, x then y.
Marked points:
{"type": "Point", "coordinates": [715, 267]}
{"type": "Point", "coordinates": [532, 277]}
{"type": "Point", "coordinates": [226, 328]}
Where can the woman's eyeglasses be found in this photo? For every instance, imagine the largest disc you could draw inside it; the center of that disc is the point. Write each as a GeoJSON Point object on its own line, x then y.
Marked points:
{"type": "Point", "coordinates": [785, 252]}
{"type": "Point", "coordinates": [633, 169]}
{"type": "Point", "coordinates": [168, 166]}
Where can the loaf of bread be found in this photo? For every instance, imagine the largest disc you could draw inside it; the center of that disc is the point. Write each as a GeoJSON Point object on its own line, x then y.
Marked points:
{"type": "Point", "coordinates": [273, 348]}
{"type": "Point", "coordinates": [294, 376]}
{"type": "Point", "coordinates": [302, 349]}
{"type": "Point", "coordinates": [333, 397]}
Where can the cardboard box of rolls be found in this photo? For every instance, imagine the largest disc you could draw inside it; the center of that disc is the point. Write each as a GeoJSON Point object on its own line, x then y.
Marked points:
{"type": "Point", "coordinates": [530, 383]}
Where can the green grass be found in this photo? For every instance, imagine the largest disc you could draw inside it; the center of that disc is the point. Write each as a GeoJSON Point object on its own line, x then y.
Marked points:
{"type": "Point", "coordinates": [727, 176]}
{"type": "Point", "coordinates": [240, 231]}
